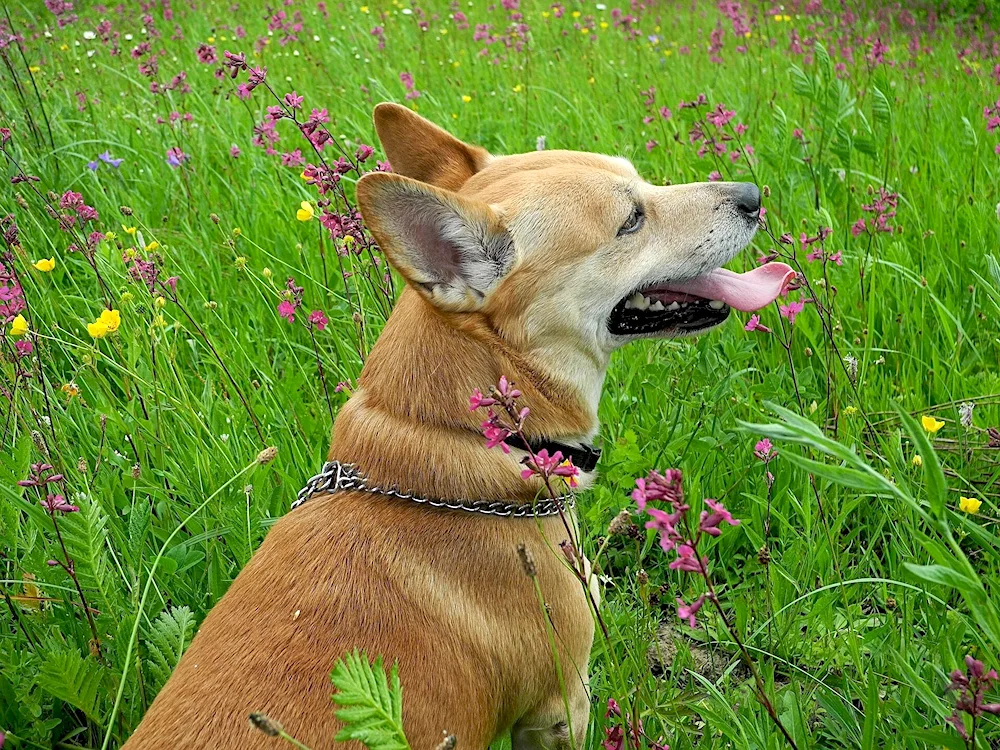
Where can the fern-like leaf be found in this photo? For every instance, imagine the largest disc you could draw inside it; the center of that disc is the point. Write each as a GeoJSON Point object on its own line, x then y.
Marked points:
{"type": "Point", "coordinates": [166, 642]}
{"type": "Point", "coordinates": [86, 536]}
{"type": "Point", "coordinates": [372, 710]}
{"type": "Point", "coordinates": [74, 679]}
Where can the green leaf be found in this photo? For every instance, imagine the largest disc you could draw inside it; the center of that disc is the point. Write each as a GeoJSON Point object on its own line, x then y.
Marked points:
{"type": "Point", "coordinates": [372, 710]}
{"type": "Point", "coordinates": [86, 537]}
{"type": "Point", "coordinates": [842, 475]}
{"type": "Point", "coordinates": [934, 738]}
{"type": "Point", "coordinates": [941, 575]}
{"type": "Point", "coordinates": [881, 109]}
{"type": "Point", "coordinates": [937, 488]}
{"type": "Point", "coordinates": [71, 678]}
{"type": "Point", "coordinates": [166, 642]}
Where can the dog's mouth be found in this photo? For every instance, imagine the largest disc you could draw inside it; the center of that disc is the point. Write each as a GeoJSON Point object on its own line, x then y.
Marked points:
{"type": "Point", "coordinates": [684, 307]}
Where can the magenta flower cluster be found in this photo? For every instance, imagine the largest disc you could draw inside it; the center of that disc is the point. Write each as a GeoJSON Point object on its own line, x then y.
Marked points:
{"type": "Point", "coordinates": [615, 736]}
{"type": "Point", "coordinates": [673, 525]}
{"type": "Point", "coordinates": [972, 686]}
{"type": "Point", "coordinates": [41, 477]}
{"type": "Point", "coordinates": [883, 208]}
{"type": "Point", "coordinates": [504, 418]}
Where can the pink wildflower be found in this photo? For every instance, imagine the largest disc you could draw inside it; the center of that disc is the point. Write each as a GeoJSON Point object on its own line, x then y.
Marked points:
{"type": "Point", "coordinates": [688, 611]}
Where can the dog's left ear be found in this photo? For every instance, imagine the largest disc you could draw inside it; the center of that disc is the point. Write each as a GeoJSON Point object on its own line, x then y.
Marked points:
{"type": "Point", "coordinates": [451, 249]}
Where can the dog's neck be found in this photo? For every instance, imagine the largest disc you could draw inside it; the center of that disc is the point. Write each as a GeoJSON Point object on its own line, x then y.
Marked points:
{"type": "Point", "coordinates": [409, 425]}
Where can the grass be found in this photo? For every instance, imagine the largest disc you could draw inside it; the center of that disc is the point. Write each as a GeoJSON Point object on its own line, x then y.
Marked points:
{"type": "Point", "coordinates": [172, 408]}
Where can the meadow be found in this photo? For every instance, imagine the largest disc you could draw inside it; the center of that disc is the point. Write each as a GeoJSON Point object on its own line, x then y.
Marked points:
{"type": "Point", "coordinates": [184, 313]}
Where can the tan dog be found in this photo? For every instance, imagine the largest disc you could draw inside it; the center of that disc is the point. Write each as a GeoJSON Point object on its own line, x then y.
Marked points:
{"type": "Point", "coordinates": [537, 267]}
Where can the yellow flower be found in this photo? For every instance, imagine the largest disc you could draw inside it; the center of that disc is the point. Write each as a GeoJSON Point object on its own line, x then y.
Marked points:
{"type": "Point", "coordinates": [110, 236]}
{"type": "Point", "coordinates": [111, 318]}
{"type": "Point", "coordinates": [930, 424]}
{"type": "Point", "coordinates": [306, 212]}
{"type": "Point", "coordinates": [18, 326]}
{"type": "Point", "coordinates": [786, 18]}
{"type": "Point", "coordinates": [303, 175]}
{"type": "Point", "coordinates": [107, 322]}
{"type": "Point", "coordinates": [154, 245]}
{"type": "Point", "coordinates": [969, 504]}
{"type": "Point", "coordinates": [71, 389]}
{"type": "Point", "coordinates": [128, 230]}
{"type": "Point", "coordinates": [576, 14]}
{"type": "Point", "coordinates": [917, 460]}
{"type": "Point", "coordinates": [363, 8]}
{"type": "Point", "coordinates": [130, 253]}
{"type": "Point", "coordinates": [584, 31]}
{"type": "Point", "coordinates": [545, 14]}
{"type": "Point", "coordinates": [97, 330]}
{"type": "Point", "coordinates": [456, 64]}
{"type": "Point", "coordinates": [850, 411]}
{"type": "Point", "coordinates": [466, 98]}
{"type": "Point", "coordinates": [160, 302]}
{"type": "Point", "coordinates": [64, 47]}
{"type": "Point", "coordinates": [45, 264]}
{"type": "Point", "coordinates": [604, 24]}
{"type": "Point", "coordinates": [518, 88]}
{"type": "Point", "coordinates": [34, 69]}
{"type": "Point", "coordinates": [211, 40]}
{"type": "Point", "coordinates": [591, 80]}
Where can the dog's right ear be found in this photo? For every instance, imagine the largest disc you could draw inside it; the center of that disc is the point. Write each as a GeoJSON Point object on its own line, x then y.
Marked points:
{"type": "Point", "coordinates": [419, 149]}
{"type": "Point", "coordinates": [452, 250]}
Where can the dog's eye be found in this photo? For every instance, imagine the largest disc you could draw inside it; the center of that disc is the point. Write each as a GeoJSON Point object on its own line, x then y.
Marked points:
{"type": "Point", "coordinates": [633, 223]}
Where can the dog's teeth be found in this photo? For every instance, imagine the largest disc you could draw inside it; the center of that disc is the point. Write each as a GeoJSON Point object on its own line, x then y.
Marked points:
{"type": "Point", "coordinates": [656, 306]}
{"type": "Point", "coordinates": [716, 304]}
{"type": "Point", "coordinates": [628, 304]}
{"type": "Point", "coordinates": [638, 302]}
{"type": "Point", "coordinates": [674, 306]}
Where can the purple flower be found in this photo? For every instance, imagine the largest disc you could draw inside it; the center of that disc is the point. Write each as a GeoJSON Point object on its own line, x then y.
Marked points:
{"type": "Point", "coordinates": [687, 560]}
{"type": "Point", "coordinates": [477, 400]}
{"type": "Point", "coordinates": [57, 504]}
{"type": "Point", "coordinates": [286, 309]}
{"type": "Point", "coordinates": [318, 319]}
{"type": "Point", "coordinates": [24, 347]}
{"type": "Point", "coordinates": [791, 310]}
{"type": "Point", "coordinates": [93, 165]}
{"type": "Point", "coordinates": [109, 160]}
{"type": "Point", "coordinates": [764, 450]}
{"type": "Point", "coordinates": [294, 101]}
{"type": "Point", "coordinates": [176, 157]}
{"type": "Point", "coordinates": [754, 324]}
{"type": "Point", "coordinates": [688, 611]}
{"type": "Point", "coordinates": [709, 522]}
{"type": "Point", "coordinates": [234, 151]}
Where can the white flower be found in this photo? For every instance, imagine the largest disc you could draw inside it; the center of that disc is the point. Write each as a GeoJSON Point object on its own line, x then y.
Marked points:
{"type": "Point", "coordinates": [88, 35]}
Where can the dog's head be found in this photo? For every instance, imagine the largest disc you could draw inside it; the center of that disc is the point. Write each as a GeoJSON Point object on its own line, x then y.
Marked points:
{"type": "Point", "coordinates": [560, 250]}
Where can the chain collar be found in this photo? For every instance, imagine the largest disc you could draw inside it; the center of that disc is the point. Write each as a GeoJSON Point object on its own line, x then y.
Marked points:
{"type": "Point", "coordinates": [336, 476]}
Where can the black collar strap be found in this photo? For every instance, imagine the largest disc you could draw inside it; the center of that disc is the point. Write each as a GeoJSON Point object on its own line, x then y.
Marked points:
{"type": "Point", "coordinates": [584, 457]}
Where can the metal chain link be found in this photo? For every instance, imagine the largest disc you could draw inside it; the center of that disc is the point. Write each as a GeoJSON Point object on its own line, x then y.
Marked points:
{"type": "Point", "coordinates": [336, 476]}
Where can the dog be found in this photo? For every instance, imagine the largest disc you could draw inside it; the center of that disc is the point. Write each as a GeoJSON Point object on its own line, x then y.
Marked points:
{"type": "Point", "coordinates": [536, 267]}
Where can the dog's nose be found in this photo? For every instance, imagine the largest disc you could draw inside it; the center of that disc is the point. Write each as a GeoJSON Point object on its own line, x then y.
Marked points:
{"type": "Point", "coordinates": [747, 198]}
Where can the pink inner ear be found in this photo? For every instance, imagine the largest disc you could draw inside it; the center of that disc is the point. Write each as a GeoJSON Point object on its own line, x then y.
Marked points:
{"type": "Point", "coordinates": [437, 256]}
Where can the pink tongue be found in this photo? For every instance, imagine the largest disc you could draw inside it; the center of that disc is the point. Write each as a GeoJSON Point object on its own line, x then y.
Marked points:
{"type": "Point", "coordinates": [745, 291]}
